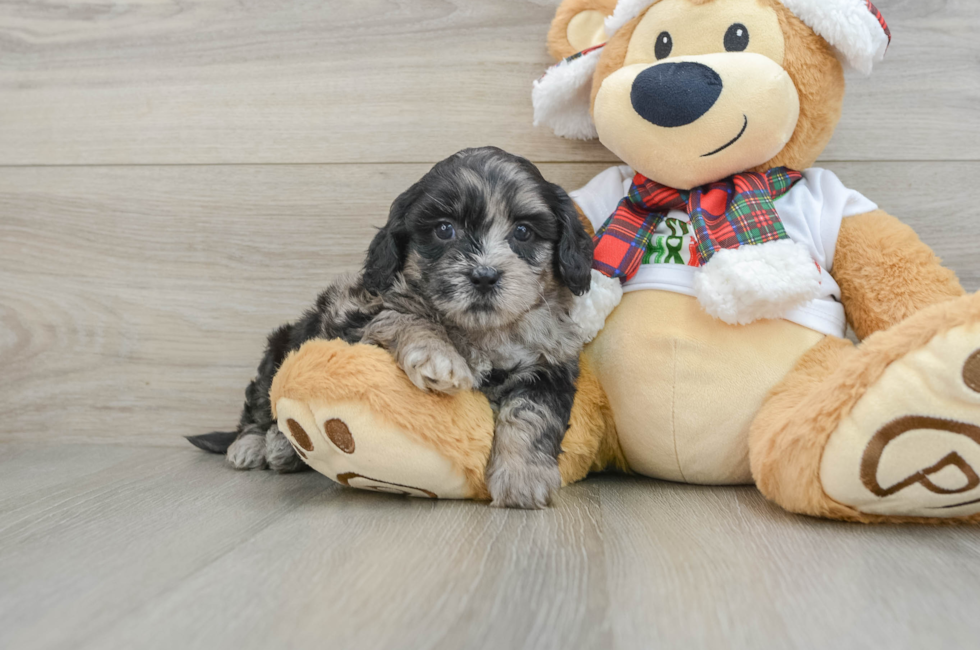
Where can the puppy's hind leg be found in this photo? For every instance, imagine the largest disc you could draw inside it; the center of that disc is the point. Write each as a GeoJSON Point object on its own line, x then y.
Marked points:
{"type": "Point", "coordinates": [248, 450]}
{"type": "Point", "coordinates": [279, 453]}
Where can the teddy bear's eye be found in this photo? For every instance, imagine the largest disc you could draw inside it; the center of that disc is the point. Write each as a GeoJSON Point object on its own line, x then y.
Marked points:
{"type": "Point", "coordinates": [737, 38]}
{"type": "Point", "coordinates": [664, 46]}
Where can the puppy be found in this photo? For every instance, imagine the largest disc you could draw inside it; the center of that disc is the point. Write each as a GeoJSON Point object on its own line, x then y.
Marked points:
{"type": "Point", "coordinates": [470, 284]}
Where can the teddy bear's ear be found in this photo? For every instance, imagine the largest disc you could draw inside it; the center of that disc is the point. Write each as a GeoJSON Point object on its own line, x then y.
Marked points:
{"type": "Point", "coordinates": [562, 96]}
{"type": "Point", "coordinates": [577, 26]}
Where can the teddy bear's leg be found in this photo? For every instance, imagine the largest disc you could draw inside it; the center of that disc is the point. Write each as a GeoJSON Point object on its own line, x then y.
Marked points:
{"type": "Point", "coordinates": [352, 414]}
{"type": "Point", "coordinates": [883, 432]}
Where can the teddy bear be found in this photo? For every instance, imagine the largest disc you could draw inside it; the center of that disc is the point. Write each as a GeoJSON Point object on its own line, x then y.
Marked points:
{"type": "Point", "coordinates": [741, 265]}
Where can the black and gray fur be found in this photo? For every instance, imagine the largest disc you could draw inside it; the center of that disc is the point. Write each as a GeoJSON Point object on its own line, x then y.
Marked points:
{"type": "Point", "coordinates": [468, 285]}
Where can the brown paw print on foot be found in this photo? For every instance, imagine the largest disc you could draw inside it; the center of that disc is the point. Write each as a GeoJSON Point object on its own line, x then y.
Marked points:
{"type": "Point", "coordinates": [950, 475]}
{"type": "Point", "coordinates": [910, 446]}
{"type": "Point", "coordinates": [971, 372]}
{"type": "Point", "coordinates": [947, 467]}
{"type": "Point", "coordinates": [337, 431]}
{"type": "Point", "coordinates": [353, 479]}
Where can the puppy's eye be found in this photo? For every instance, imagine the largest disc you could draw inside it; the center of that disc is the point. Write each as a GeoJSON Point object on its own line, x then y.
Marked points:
{"type": "Point", "coordinates": [664, 46]}
{"type": "Point", "coordinates": [737, 38]}
{"type": "Point", "coordinates": [445, 231]}
{"type": "Point", "coordinates": [522, 233]}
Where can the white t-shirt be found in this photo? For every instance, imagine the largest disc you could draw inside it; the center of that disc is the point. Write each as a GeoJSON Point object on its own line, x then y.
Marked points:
{"type": "Point", "coordinates": [811, 213]}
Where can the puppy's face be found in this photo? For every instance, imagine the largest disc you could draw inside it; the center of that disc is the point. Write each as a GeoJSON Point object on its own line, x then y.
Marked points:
{"type": "Point", "coordinates": [484, 238]}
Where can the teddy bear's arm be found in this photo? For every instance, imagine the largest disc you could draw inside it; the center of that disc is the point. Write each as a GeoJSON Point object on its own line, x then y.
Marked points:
{"type": "Point", "coordinates": [886, 273]}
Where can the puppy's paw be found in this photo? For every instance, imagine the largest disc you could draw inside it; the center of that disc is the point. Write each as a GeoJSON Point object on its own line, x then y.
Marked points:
{"type": "Point", "coordinates": [279, 453]}
{"type": "Point", "coordinates": [437, 367]}
{"type": "Point", "coordinates": [248, 452]}
{"type": "Point", "coordinates": [517, 483]}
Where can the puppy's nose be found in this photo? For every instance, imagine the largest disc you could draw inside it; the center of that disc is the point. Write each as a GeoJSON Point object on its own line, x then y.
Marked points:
{"type": "Point", "coordinates": [484, 278]}
{"type": "Point", "coordinates": [675, 94]}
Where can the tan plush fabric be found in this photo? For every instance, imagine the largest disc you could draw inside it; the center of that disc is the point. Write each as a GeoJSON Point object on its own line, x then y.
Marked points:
{"type": "Point", "coordinates": [792, 429]}
{"type": "Point", "coordinates": [590, 444]}
{"type": "Point", "coordinates": [759, 100]}
{"type": "Point", "coordinates": [819, 79]}
{"type": "Point", "coordinates": [460, 426]}
{"type": "Point", "coordinates": [685, 387]}
{"type": "Point", "coordinates": [585, 222]}
{"type": "Point", "coordinates": [366, 384]}
{"type": "Point", "coordinates": [353, 445]}
{"type": "Point", "coordinates": [567, 21]}
{"type": "Point", "coordinates": [886, 273]}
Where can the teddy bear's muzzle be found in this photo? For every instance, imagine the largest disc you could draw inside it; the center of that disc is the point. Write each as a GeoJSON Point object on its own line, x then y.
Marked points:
{"type": "Point", "coordinates": [694, 120]}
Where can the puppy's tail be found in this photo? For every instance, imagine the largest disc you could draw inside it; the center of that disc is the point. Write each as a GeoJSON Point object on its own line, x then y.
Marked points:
{"type": "Point", "coordinates": [217, 442]}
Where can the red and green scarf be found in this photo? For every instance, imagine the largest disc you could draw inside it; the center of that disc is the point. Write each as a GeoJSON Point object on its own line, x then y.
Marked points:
{"type": "Point", "coordinates": [735, 212]}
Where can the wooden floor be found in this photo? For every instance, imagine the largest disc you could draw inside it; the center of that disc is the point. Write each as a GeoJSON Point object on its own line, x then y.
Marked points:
{"type": "Point", "coordinates": [176, 178]}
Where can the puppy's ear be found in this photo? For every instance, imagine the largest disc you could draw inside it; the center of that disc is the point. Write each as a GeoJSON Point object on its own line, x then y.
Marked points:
{"type": "Point", "coordinates": [574, 254]}
{"type": "Point", "coordinates": [386, 254]}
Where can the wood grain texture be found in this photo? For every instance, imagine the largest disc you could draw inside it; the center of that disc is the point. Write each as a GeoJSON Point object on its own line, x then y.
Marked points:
{"type": "Point", "coordinates": [726, 569]}
{"type": "Point", "coordinates": [116, 547]}
{"type": "Point", "coordinates": [274, 81]}
{"type": "Point", "coordinates": [134, 301]}
{"type": "Point", "coordinates": [154, 227]}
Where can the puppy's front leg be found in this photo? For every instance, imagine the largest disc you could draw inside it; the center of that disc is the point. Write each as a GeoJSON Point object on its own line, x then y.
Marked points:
{"type": "Point", "coordinates": [531, 423]}
{"type": "Point", "coordinates": [423, 350]}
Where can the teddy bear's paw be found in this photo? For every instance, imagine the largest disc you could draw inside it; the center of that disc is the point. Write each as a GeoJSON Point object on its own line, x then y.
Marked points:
{"type": "Point", "coordinates": [516, 483]}
{"type": "Point", "coordinates": [436, 366]}
{"type": "Point", "coordinates": [248, 450]}
{"type": "Point", "coordinates": [911, 444]}
{"type": "Point", "coordinates": [350, 444]}
{"type": "Point", "coordinates": [756, 282]}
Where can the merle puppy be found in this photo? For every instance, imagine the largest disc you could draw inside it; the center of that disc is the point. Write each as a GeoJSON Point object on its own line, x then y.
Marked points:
{"type": "Point", "coordinates": [469, 285]}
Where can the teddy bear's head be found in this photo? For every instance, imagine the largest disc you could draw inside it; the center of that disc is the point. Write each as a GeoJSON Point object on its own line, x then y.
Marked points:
{"type": "Point", "coordinates": [688, 92]}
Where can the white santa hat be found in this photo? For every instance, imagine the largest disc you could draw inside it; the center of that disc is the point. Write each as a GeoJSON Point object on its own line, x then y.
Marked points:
{"type": "Point", "coordinates": [854, 28]}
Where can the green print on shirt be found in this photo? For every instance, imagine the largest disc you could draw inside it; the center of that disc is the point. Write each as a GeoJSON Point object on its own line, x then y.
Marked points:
{"type": "Point", "coordinates": [668, 249]}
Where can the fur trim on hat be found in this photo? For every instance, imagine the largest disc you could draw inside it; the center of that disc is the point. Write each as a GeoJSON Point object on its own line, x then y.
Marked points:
{"type": "Point", "coordinates": [852, 27]}
{"type": "Point", "coordinates": [562, 97]}
{"type": "Point", "coordinates": [626, 10]}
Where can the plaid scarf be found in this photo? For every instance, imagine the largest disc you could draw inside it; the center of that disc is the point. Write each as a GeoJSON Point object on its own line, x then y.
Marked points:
{"type": "Point", "coordinates": [731, 213]}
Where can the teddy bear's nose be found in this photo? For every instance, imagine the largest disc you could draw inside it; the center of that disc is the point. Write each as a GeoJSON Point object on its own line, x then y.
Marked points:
{"type": "Point", "coordinates": [675, 94]}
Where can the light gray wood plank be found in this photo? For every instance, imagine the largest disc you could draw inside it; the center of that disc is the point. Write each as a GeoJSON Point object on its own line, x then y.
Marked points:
{"type": "Point", "coordinates": [920, 102]}
{"type": "Point", "coordinates": [723, 568]}
{"type": "Point", "coordinates": [382, 81]}
{"type": "Point", "coordinates": [166, 548]}
{"type": "Point", "coordinates": [171, 548]}
{"type": "Point", "coordinates": [130, 523]}
{"type": "Point", "coordinates": [134, 301]}
{"type": "Point", "coordinates": [368, 572]}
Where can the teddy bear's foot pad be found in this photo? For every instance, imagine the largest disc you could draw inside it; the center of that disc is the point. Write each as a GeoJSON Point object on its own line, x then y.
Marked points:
{"type": "Point", "coordinates": [351, 445]}
{"type": "Point", "coordinates": [926, 461]}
